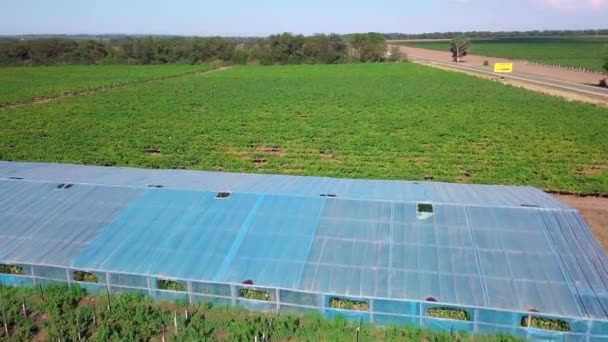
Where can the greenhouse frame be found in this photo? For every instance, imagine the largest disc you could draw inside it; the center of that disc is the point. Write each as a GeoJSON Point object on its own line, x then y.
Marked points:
{"type": "Point", "coordinates": [478, 258]}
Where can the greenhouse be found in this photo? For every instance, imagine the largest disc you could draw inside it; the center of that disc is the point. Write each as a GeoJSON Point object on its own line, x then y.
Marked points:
{"type": "Point", "coordinates": [478, 258]}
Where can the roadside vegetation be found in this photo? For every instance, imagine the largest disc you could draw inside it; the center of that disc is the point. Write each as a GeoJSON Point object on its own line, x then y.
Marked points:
{"type": "Point", "coordinates": [56, 312]}
{"type": "Point", "coordinates": [459, 46]}
{"type": "Point", "coordinates": [380, 121]}
{"type": "Point", "coordinates": [582, 52]}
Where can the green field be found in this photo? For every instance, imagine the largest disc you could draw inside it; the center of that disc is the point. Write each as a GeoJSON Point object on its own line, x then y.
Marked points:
{"type": "Point", "coordinates": [583, 52]}
{"type": "Point", "coordinates": [393, 121]}
{"type": "Point", "coordinates": [21, 84]}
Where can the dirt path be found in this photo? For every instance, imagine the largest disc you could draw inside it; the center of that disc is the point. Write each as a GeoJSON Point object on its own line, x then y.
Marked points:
{"type": "Point", "coordinates": [595, 212]}
{"type": "Point", "coordinates": [104, 88]}
{"type": "Point", "coordinates": [519, 67]}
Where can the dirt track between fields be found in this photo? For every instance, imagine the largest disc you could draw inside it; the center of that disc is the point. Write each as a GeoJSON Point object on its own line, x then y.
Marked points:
{"type": "Point", "coordinates": [595, 212]}
{"type": "Point", "coordinates": [519, 67]}
{"type": "Point", "coordinates": [101, 89]}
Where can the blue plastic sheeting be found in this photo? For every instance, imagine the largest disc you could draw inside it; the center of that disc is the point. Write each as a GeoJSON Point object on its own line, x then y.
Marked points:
{"type": "Point", "coordinates": [482, 248]}
{"type": "Point", "coordinates": [38, 221]}
{"type": "Point", "coordinates": [482, 195]}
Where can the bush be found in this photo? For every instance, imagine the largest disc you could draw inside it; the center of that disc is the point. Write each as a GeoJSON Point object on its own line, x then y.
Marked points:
{"type": "Point", "coordinates": [11, 269]}
{"type": "Point", "coordinates": [348, 304]}
{"type": "Point", "coordinates": [396, 55]}
{"type": "Point", "coordinates": [255, 294]}
{"type": "Point", "coordinates": [369, 47]}
{"type": "Point", "coordinates": [545, 323]}
{"type": "Point", "coordinates": [449, 313]}
{"type": "Point", "coordinates": [170, 285]}
{"type": "Point", "coordinates": [85, 277]}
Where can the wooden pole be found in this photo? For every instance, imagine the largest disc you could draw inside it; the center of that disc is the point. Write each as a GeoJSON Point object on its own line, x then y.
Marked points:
{"type": "Point", "coordinates": [175, 322]}
{"type": "Point", "coordinates": [94, 315]}
{"type": "Point", "coordinates": [4, 320]}
{"type": "Point", "coordinates": [23, 309]}
{"type": "Point", "coordinates": [78, 328]}
{"type": "Point", "coordinates": [41, 292]}
{"type": "Point", "coordinates": [109, 300]}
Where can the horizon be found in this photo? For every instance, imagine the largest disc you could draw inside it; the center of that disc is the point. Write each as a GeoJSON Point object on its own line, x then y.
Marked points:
{"type": "Point", "coordinates": [239, 18]}
{"type": "Point", "coordinates": [278, 33]}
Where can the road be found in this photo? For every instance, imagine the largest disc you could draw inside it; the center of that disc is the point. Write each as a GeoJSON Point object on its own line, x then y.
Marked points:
{"type": "Point", "coordinates": [537, 76]}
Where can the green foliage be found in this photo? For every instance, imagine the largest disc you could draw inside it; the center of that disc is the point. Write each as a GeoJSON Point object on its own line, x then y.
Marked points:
{"type": "Point", "coordinates": [545, 323]}
{"type": "Point", "coordinates": [370, 47]}
{"type": "Point", "coordinates": [69, 314]}
{"type": "Point", "coordinates": [18, 84]}
{"type": "Point", "coordinates": [348, 304]}
{"type": "Point", "coordinates": [387, 121]}
{"type": "Point", "coordinates": [20, 328]}
{"type": "Point", "coordinates": [255, 294]}
{"type": "Point", "coordinates": [241, 56]}
{"type": "Point", "coordinates": [11, 269]}
{"type": "Point", "coordinates": [584, 52]}
{"type": "Point", "coordinates": [66, 319]}
{"type": "Point", "coordinates": [85, 277]}
{"type": "Point", "coordinates": [171, 285]}
{"type": "Point", "coordinates": [325, 49]}
{"type": "Point", "coordinates": [132, 317]}
{"type": "Point", "coordinates": [449, 313]}
{"type": "Point", "coordinates": [277, 49]}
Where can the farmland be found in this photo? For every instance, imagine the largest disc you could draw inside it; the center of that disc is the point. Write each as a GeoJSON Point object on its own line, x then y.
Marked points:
{"type": "Point", "coordinates": [20, 84]}
{"type": "Point", "coordinates": [582, 52]}
{"type": "Point", "coordinates": [391, 121]}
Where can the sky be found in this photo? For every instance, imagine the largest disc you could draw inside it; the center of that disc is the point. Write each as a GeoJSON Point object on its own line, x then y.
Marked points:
{"type": "Point", "coordinates": [264, 17]}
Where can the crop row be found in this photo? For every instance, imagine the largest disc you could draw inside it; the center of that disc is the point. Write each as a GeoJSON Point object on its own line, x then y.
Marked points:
{"type": "Point", "coordinates": [57, 312]}
{"type": "Point", "coordinates": [397, 121]}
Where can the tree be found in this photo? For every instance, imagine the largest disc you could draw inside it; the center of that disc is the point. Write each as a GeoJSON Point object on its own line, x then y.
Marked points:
{"type": "Point", "coordinates": [460, 46]}
{"type": "Point", "coordinates": [604, 81]}
{"type": "Point", "coordinates": [325, 49]}
{"type": "Point", "coordinates": [396, 55]}
{"type": "Point", "coordinates": [370, 47]}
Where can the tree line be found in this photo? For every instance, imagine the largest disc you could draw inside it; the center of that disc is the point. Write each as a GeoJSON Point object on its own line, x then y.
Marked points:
{"type": "Point", "coordinates": [499, 34]}
{"type": "Point", "coordinates": [283, 48]}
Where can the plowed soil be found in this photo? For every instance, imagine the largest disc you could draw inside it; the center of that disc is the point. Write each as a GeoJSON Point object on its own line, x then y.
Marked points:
{"type": "Point", "coordinates": [595, 212]}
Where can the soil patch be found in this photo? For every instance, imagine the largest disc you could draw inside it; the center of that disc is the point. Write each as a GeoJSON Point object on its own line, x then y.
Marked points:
{"type": "Point", "coordinates": [154, 152]}
{"type": "Point", "coordinates": [257, 162]}
{"type": "Point", "coordinates": [593, 170]}
{"type": "Point", "coordinates": [595, 212]}
{"type": "Point", "coordinates": [275, 150]}
{"type": "Point", "coordinates": [465, 176]}
{"type": "Point", "coordinates": [326, 154]}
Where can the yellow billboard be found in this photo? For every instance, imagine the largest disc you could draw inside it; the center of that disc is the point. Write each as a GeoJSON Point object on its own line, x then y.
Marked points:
{"type": "Point", "coordinates": [503, 67]}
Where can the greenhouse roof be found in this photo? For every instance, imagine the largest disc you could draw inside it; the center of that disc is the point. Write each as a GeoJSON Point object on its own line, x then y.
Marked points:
{"type": "Point", "coordinates": [502, 247]}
